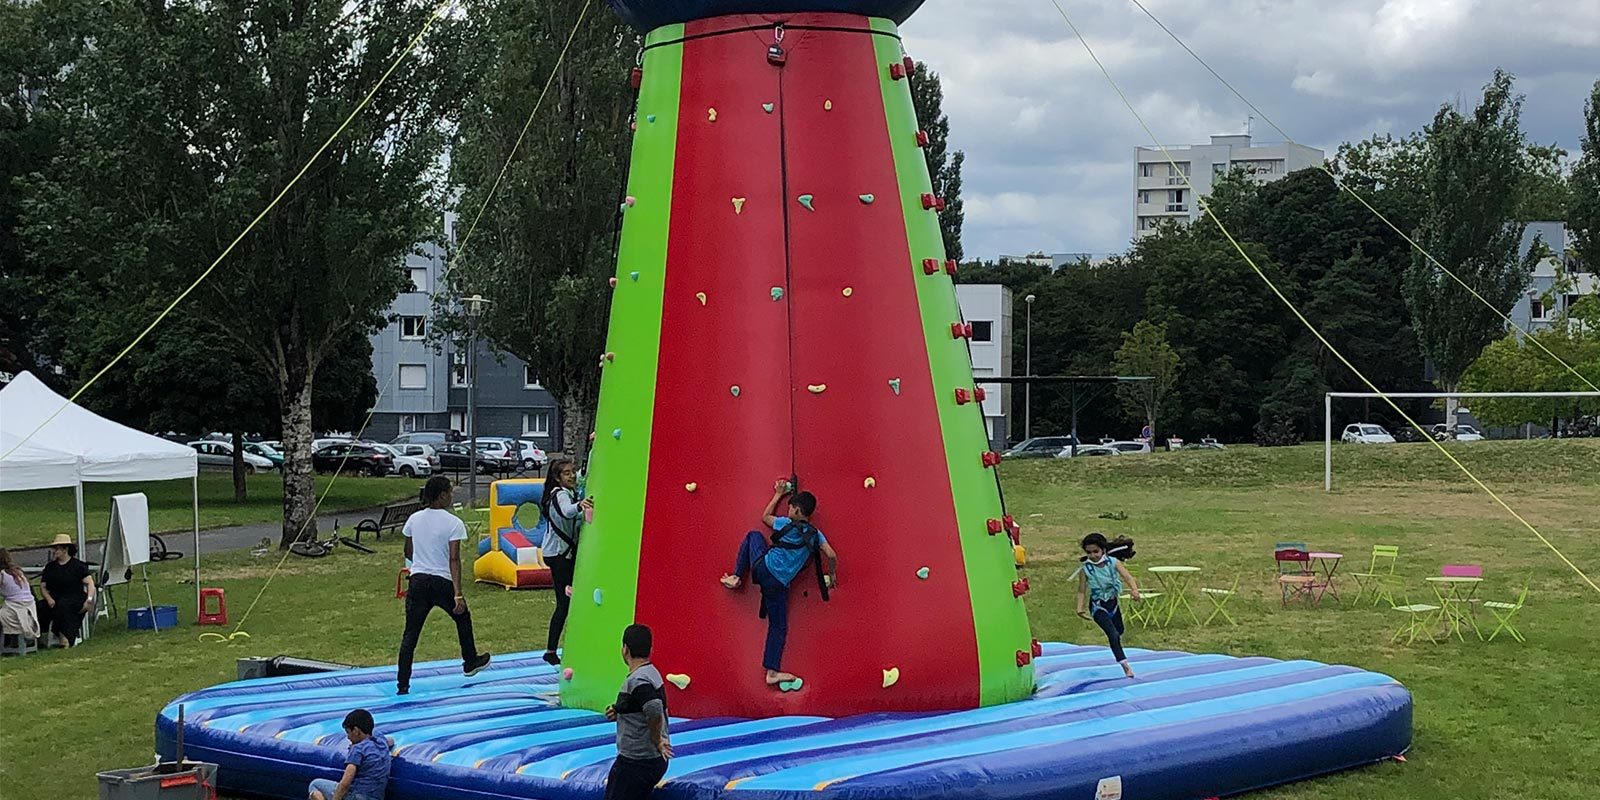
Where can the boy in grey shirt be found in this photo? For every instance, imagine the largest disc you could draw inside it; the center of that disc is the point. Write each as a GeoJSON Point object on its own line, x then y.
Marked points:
{"type": "Point", "coordinates": [641, 716]}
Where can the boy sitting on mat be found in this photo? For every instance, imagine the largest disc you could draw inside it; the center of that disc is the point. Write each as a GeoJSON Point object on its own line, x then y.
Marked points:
{"type": "Point", "coordinates": [366, 769]}
{"type": "Point", "coordinates": [795, 542]}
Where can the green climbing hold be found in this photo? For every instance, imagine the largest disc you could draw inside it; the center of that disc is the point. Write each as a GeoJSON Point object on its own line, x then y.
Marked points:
{"type": "Point", "coordinates": [616, 433]}
{"type": "Point", "coordinates": [894, 383]}
{"type": "Point", "coordinates": [805, 200]}
{"type": "Point", "coordinates": [792, 686]}
{"type": "Point", "coordinates": [734, 390]}
{"type": "Point", "coordinates": [634, 276]}
{"type": "Point", "coordinates": [777, 293]}
{"type": "Point", "coordinates": [868, 198]}
{"type": "Point", "coordinates": [597, 597]}
{"type": "Point", "coordinates": [767, 107]}
{"type": "Point", "coordinates": [651, 118]}
{"type": "Point", "coordinates": [921, 573]}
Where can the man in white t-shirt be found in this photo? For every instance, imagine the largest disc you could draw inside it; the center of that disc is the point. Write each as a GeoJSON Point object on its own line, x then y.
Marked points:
{"type": "Point", "coordinates": [433, 544]}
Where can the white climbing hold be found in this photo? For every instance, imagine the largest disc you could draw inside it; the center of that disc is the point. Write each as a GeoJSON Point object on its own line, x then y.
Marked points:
{"type": "Point", "coordinates": [691, 487]}
{"type": "Point", "coordinates": [891, 676]}
{"type": "Point", "coordinates": [923, 573]}
{"type": "Point", "coordinates": [817, 388]}
{"type": "Point", "coordinates": [894, 383]}
{"type": "Point", "coordinates": [827, 105]}
{"type": "Point", "coordinates": [597, 597]}
{"type": "Point", "coordinates": [869, 482]}
{"type": "Point", "coordinates": [868, 199]}
{"type": "Point", "coordinates": [711, 114]}
{"type": "Point", "coordinates": [701, 296]}
{"type": "Point", "coordinates": [738, 205]}
{"type": "Point", "coordinates": [678, 679]}
{"type": "Point", "coordinates": [630, 201]}
{"type": "Point", "coordinates": [848, 291]}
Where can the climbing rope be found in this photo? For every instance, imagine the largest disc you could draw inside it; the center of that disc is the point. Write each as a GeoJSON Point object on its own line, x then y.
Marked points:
{"type": "Point", "coordinates": [1205, 206]}
{"type": "Point", "coordinates": [1363, 201]}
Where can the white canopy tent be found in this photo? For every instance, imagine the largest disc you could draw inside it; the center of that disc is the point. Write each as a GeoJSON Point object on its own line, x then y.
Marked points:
{"type": "Point", "coordinates": [77, 446]}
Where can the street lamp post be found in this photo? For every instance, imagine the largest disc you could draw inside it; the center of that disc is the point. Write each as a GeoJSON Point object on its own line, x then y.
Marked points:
{"type": "Point", "coordinates": [474, 309]}
{"type": "Point", "coordinates": [1027, 388]}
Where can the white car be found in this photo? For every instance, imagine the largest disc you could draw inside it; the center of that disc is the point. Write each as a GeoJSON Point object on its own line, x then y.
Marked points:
{"type": "Point", "coordinates": [533, 457]}
{"type": "Point", "coordinates": [422, 451]}
{"type": "Point", "coordinates": [405, 466]}
{"type": "Point", "coordinates": [220, 454]}
{"type": "Point", "coordinates": [1366, 433]}
{"type": "Point", "coordinates": [1129, 448]}
{"type": "Point", "coordinates": [1086, 451]}
{"type": "Point", "coordinates": [1463, 433]}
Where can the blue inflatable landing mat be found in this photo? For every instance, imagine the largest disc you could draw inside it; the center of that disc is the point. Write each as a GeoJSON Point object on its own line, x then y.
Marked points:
{"type": "Point", "coordinates": [1190, 726]}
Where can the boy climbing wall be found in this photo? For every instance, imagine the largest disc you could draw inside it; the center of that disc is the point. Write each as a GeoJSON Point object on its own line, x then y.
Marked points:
{"type": "Point", "coordinates": [795, 543]}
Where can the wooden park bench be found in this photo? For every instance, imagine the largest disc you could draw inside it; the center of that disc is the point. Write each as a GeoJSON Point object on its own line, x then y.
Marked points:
{"type": "Point", "coordinates": [393, 516]}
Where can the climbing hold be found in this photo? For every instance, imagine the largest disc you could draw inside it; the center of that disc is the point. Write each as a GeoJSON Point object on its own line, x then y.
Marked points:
{"type": "Point", "coordinates": [950, 267]}
{"type": "Point", "coordinates": [767, 107]}
{"type": "Point", "coordinates": [964, 397]}
{"type": "Point", "coordinates": [923, 573]}
{"type": "Point", "coordinates": [1020, 555]}
{"type": "Point", "coordinates": [894, 383]}
{"type": "Point", "coordinates": [897, 72]}
{"type": "Point", "coordinates": [777, 293]}
{"type": "Point", "coordinates": [609, 356]}
{"type": "Point", "coordinates": [701, 296]}
{"type": "Point", "coordinates": [979, 394]}
{"type": "Point", "coordinates": [995, 526]}
{"type": "Point", "coordinates": [711, 114]}
{"type": "Point", "coordinates": [827, 105]}
{"type": "Point", "coordinates": [961, 330]}
{"type": "Point", "coordinates": [597, 597]}
{"type": "Point", "coordinates": [613, 281]}
{"type": "Point", "coordinates": [1023, 658]}
{"type": "Point", "coordinates": [867, 198]}
{"type": "Point", "coordinates": [848, 291]}
{"type": "Point", "coordinates": [690, 487]}
{"type": "Point", "coordinates": [891, 676]}
{"type": "Point", "coordinates": [678, 679]}
{"type": "Point", "coordinates": [734, 390]}
{"type": "Point", "coordinates": [930, 266]}
{"type": "Point", "coordinates": [792, 686]}
{"type": "Point", "coordinates": [629, 201]}
{"type": "Point", "coordinates": [569, 591]}
{"type": "Point", "coordinates": [922, 139]}
{"type": "Point", "coordinates": [805, 200]}
{"type": "Point", "coordinates": [817, 388]}
{"type": "Point", "coordinates": [1019, 587]}
{"type": "Point", "coordinates": [651, 118]}
{"type": "Point", "coordinates": [870, 482]}
{"type": "Point", "coordinates": [623, 208]}
{"type": "Point", "coordinates": [1037, 647]}
{"type": "Point", "coordinates": [566, 674]}
{"type": "Point", "coordinates": [991, 459]}
{"type": "Point", "coordinates": [616, 433]}
{"type": "Point", "coordinates": [633, 276]}
{"type": "Point", "coordinates": [738, 205]}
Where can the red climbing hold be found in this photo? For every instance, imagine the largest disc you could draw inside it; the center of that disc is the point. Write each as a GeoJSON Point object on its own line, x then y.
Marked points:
{"type": "Point", "coordinates": [910, 66]}
{"type": "Point", "coordinates": [950, 267]}
{"type": "Point", "coordinates": [991, 459]}
{"type": "Point", "coordinates": [897, 71]}
{"type": "Point", "coordinates": [930, 266]}
{"type": "Point", "coordinates": [979, 393]}
{"type": "Point", "coordinates": [938, 204]}
{"type": "Point", "coordinates": [1023, 658]}
{"type": "Point", "coordinates": [963, 397]}
{"type": "Point", "coordinates": [961, 331]}
{"type": "Point", "coordinates": [1038, 649]}
{"type": "Point", "coordinates": [1019, 587]}
{"type": "Point", "coordinates": [922, 139]}
{"type": "Point", "coordinates": [636, 78]}
{"type": "Point", "coordinates": [994, 527]}
{"type": "Point", "coordinates": [928, 200]}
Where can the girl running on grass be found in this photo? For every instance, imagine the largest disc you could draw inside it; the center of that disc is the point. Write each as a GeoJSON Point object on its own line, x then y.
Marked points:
{"type": "Point", "coordinates": [1103, 578]}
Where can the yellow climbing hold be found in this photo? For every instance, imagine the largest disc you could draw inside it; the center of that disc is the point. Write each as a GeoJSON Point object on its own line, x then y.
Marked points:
{"type": "Point", "coordinates": [817, 388]}
{"type": "Point", "coordinates": [711, 114]}
{"type": "Point", "coordinates": [690, 487]}
{"type": "Point", "coordinates": [678, 679]}
{"type": "Point", "coordinates": [891, 676]}
{"type": "Point", "coordinates": [1020, 553]}
{"type": "Point", "coordinates": [870, 482]}
{"type": "Point", "coordinates": [848, 291]}
{"type": "Point", "coordinates": [738, 205]}
{"type": "Point", "coordinates": [701, 296]}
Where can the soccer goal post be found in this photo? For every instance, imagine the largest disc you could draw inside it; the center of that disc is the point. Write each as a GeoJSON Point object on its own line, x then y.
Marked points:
{"type": "Point", "coordinates": [1327, 414]}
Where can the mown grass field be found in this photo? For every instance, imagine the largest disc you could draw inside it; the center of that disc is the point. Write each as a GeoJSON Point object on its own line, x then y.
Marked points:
{"type": "Point", "coordinates": [1494, 721]}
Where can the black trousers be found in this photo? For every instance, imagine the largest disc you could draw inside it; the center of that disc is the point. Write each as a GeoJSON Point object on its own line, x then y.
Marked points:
{"type": "Point", "coordinates": [561, 569]}
{"type": "Point", "coordinates": [1108, 616]}
{"type": "Point", "coordinates": [423, 595]}
{"type": "Point", "coordinates": [634, 780]}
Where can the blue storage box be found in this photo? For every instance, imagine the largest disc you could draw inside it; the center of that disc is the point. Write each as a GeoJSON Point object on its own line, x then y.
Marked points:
{"type": "Point", "coordinates": [140, 619]}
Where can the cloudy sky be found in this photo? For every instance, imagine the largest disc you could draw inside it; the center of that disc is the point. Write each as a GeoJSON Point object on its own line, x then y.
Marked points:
{"type": "Point", "coordinates": [1050, 147]}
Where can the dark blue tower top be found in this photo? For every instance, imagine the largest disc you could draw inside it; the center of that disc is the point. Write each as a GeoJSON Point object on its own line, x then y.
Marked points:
{"type": "Point", "coordinates": [647, 15]}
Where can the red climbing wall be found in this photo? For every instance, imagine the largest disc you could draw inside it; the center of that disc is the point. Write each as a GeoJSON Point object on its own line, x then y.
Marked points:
{"type": "Point", "coordinates": [732, 446]}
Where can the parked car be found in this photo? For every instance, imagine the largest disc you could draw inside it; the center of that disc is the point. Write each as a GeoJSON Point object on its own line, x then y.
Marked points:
{"type": "Point", "coordinates": [434, 438]}
{"type": "Point", "coordinates": [220, 454]}
{"type": "Point", "coordinates": [533, 456]}
{"type": "Point", "coordinates": [272, 443]}
{"type": "Point", "coordinates": [454, 457]}
{"type": "Point", "coordinates": [403, 465]}
{"type": "Point", "coordinates": [352, 457]}
{"type": "Point", "coordinates": [1041, 447]}
{"type": "Point", "coordinates": [422, 451]}
{"type": "Point", "coordinates": [318, 444]}
{"type": "Point", "coordinates": [268, 453]}
{"type": "Point", "coordinates": [1366, 433]}
{"type": "Point", "coordinates": [1089, 451]}
{"type": "Point", "coordinates": [1461, 433]}
{"type": "Point", "coordinates": [506, 454]}
{"type": "Point", "coordinates": [1130, 448]}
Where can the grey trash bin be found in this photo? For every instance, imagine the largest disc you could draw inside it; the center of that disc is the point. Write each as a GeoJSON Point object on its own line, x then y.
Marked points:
{"type": "Point", "coordinates": [191, 780]}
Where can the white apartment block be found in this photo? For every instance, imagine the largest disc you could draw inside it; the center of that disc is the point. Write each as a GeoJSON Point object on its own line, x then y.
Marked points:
{"type": "Point", "coordinates": [1162, 193]}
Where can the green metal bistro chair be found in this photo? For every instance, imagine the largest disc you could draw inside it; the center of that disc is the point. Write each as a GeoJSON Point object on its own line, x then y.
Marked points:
{"type": "Point", "coordinates": [1219, 600]}
{"type": "Point", "coordinates": [1146, 611]}
{"type": "Point", "coordinates": [1418, 618]}
{"type": "Point", "coordinates": [1379, 577]}
{"type": "Point", "coordinates": [1503, 612]}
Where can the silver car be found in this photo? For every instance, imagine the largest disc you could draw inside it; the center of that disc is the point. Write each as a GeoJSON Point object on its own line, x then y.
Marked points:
{"type": "Point", "coordinates": [220, 455]}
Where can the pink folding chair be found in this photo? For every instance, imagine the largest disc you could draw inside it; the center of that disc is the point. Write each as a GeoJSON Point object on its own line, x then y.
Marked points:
{"type": "Point", "coordinates": [1294, 574]}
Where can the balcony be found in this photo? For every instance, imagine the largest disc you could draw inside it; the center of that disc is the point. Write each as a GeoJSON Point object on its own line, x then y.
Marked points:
{"type": "Point", "coordinates": [1178, 207]}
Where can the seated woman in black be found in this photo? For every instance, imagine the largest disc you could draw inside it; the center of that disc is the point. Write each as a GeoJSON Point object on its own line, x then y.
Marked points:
{"type": "Point", "coordinates": [68, 590]}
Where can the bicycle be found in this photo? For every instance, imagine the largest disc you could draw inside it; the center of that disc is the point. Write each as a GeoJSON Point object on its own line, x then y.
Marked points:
{"type": "Point", "coordinates": [310, 546]}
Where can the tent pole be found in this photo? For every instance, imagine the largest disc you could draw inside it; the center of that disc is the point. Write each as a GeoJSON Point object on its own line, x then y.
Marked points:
{"type": "Point", "coordinates": [196, 494]}
{"type": "Point", "coordinates": [78, 497]}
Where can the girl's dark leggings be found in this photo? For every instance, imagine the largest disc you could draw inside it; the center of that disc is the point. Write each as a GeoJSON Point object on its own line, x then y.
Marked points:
{"type": "Point", "coordinates": [1109, 617]}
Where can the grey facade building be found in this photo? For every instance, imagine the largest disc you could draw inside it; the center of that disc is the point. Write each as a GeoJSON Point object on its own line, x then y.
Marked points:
{"type": "Point", "coordinates": [427, 380]}
{"type": "Point", "coordinates": [1540, 306]}
{"type": "Point", "coordinates": [1161, 192]}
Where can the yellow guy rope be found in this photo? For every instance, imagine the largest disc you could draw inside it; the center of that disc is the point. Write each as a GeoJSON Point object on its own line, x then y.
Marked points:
{"type": "Point", "coordinates": [1296, 311]}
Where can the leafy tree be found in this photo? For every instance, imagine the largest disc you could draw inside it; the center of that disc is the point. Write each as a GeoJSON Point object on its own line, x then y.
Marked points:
{"type": "Point", "coordinates": [1544, 192]}
{"type": "Point", "coordinates": [183, 121]}
{"type": "Point", "coordinates": [1145, 352]}
{"type": "Point", "coordinates": [544, 250]}
{"type": "Point", "coordinates": [1469, 224]}
{"type": "Point", "coordinates": [927, 96]}
{"type": "Point", "coordinates": [1388, 173]}
{"type": "Point", "coordinates": [1583, 213]}
{"type": "Point", "coordinates": [1513, 364]}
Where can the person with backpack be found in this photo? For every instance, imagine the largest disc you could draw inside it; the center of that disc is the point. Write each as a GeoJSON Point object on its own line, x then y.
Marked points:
{"type": "Point", "coordinates": [795, 543]}
{"type": "Point", "coordinates": [563, 514]}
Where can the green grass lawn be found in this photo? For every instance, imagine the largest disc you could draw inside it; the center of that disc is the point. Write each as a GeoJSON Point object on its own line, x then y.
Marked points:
{"type": "Point", "coordinates": [1494, 721]}
{"type": "Point", "coordinates": [33, 518]}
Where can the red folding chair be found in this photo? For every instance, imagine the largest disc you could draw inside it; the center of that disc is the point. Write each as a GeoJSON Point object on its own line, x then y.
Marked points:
{"type": "Point", "coordinates": [1295, 578]}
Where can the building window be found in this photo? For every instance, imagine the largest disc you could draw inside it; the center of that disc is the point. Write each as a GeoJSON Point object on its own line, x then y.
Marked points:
{"type": "Point", "coordinates": [458, 422]}
{"type": "Point", "coordinates": [1147, 170]}
{"type": "Point", "coordinates": [418, 276]}
{"type": "Point", "coordinates": [413, 376]}
{"type": "Point", "coordinates": [536, 423]}
{"type": "Point", "coordinates": [412, 328]}
{"type": "Point", "coordinates": [529, 379]}
{"type": "Point", "coordinates": [458, 369]}
{"type": "Point", "coordinates": [1572, 300]}
{"type": "Point", "coordinates": [1181, 170]}
{"type": "Point", "coordinates": [1536, 308]}
{"type": "Point", "coordinates": [1219, 168]}
{"type": "Point", "coordinates": [410, 423]}
{"type": "Point", "coordinates": [982, 331]}
{"type": "Point", "coordinates": [1144, 197]}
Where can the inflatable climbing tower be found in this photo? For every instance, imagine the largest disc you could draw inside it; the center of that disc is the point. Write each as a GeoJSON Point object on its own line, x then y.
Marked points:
{"type": "Point", "coordinates": [783, 307]}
